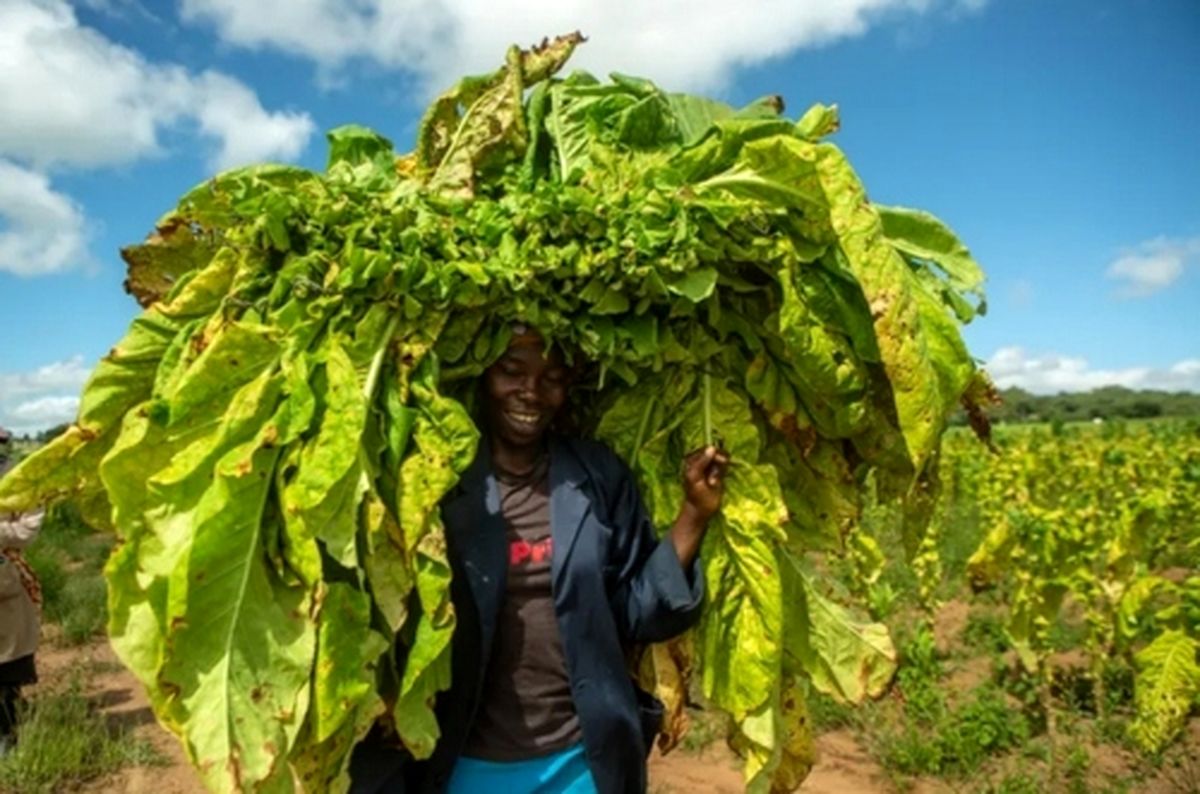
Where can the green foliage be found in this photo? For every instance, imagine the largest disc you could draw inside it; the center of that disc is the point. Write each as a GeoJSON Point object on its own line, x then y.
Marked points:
{"type": "Point", "coordinates": [1075, 769]}
{"type": "Point", "coordinates": [1018, 783]}
{"type": "Point", "coordinates": [986, 725]}
{"type": "Point", "coordinates": [919, 678]}
{"type": "Point", "coordinates": [705, 728]}
{"type": "Point", "coordinates": [50, 565]}
{"type": "Point", "coordinates": [68, 557]}
{"type": "Point", "coordinates": [65, 742]}
{"type": "Point", "coordinates": [1168, 685]}
{"type": "Point", "coordinates": [80, 609]}
{"type": "Point", "coordinates": [1085, 526]}
{"type": "Point", "coordinates": [984, 633]}
{"type": "Point", "coordinates": [272, 438]}
{"type": "Point", "coordinates": [940, 740]}
{"type": "Point", "coordinates": [828, 714]}
{"type": "Point", "coordinates": [937, 736]}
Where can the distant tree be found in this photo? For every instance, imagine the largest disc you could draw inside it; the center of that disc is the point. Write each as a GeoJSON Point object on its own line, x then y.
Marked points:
{"type": "Point", "coordinates": [46, 436]}
{"type": "Point", "coordinates": [1144, 409]}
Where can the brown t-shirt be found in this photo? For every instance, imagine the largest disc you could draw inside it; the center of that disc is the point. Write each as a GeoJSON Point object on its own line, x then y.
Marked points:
{"type": "Point", "coordinates": [526, 708]}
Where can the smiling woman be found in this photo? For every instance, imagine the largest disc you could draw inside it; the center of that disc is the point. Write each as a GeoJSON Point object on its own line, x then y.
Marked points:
{"type": "Point", "coordinates": [523, 394]}
{"type": "Point", "coordinates": [558, 571]}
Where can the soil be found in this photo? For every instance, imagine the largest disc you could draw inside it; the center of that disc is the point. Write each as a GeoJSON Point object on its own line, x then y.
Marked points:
{"type": "Point", "coordinates": [123, 701]}
{"type": "Point", "coordinates": [948, 624]}
{"type": "Point", "coordinates": [844, 765]}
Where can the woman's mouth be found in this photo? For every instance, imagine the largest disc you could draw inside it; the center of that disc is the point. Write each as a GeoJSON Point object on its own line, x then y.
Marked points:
{"type": "Point", "coordinates": [527, 420]}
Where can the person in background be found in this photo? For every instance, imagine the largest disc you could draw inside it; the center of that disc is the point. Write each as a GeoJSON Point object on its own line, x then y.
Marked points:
{"type": "Point", "coordinates": [20, 604]}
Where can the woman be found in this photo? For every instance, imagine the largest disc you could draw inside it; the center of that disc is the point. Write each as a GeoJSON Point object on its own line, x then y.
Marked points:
{"type": "Point", "coordinates": [19, 602]}
{"type": "Point", "coordinates": [557, 572]}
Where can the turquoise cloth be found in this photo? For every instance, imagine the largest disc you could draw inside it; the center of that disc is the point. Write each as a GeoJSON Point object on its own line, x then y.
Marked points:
{"type": "Point", "coordinates": [564, 772]}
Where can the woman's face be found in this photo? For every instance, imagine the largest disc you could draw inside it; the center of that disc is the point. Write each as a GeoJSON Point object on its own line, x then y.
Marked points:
{"type": "Point", "coordinates": [523, 391]}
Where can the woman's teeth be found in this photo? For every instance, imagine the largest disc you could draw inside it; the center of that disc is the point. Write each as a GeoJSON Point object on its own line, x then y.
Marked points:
{"type": "Point", "coordinates": [524, 418]}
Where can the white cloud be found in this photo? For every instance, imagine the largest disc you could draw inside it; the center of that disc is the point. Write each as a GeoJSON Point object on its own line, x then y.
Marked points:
{"type": "Point", "coordinates": [683, 44]}
{"type": "Point", "coordinates": [230, 112]}
{"type": "Point", "coordinates": [41, 230]}
{"type": "Point", "coordinates": [68, 375]}
{"type": "Point", "coordinates": [47, 410]}
{"type": "Point", "coordinates": [1050, 373]}
{"type": "Point", "coordinates": [1153, 265]}
{"type": "Point", "coordinates": [70, 96]}
{"type": "Point", "coordinates": [41, 398]}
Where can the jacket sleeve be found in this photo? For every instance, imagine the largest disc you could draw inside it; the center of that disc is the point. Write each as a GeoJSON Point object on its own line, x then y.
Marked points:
{"type": "Point", "coordinates": [655, 599]}
{"type": "Point", "coordinates": [17, 532]}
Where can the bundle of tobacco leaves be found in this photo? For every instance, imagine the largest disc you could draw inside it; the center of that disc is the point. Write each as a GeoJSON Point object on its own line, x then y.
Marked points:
{"type": "Point", "coordinates": [271, 439]}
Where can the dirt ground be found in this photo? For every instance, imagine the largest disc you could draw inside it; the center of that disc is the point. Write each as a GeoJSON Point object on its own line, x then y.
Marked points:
{"type": "Point", "coordinates": [844, 767]}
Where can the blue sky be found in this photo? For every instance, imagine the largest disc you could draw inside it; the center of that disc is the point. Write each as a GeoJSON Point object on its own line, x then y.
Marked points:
{"type": "Point", "coordinates": [1058, 139]}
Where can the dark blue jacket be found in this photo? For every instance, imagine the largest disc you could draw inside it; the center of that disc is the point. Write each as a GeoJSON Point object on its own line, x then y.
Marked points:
{"type": "Point", "coordinates": [615, 585]}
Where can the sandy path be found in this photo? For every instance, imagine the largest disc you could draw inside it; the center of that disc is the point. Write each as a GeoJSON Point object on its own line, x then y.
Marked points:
{"type": "Point", "coordinates": [844, 766]}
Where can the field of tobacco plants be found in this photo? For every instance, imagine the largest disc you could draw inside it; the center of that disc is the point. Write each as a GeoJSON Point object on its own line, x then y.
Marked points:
{"type": "Point", "coordinates": [1046, 629]}
{"type": "Point", "coordinates": [1049, 622]}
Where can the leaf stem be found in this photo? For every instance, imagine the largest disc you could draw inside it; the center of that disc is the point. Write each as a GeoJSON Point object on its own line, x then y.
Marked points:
{"type": "Point", "coordinates": [708, 431]}
{"type": "Point", "coordinates": [643, 426]}
{"type": "Point", "coordinates": [377, 360]}
{"type": "Point", "coordinates": [369, 385]}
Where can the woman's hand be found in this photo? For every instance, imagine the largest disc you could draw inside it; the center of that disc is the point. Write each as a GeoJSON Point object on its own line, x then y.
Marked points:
{"type": "Point", "coordinates": [703, 489]}
{"type": "Point", "coordinates": [704, 481]}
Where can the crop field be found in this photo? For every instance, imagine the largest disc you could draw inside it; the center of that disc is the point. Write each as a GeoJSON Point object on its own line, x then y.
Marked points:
{"type": "Point", "coordinates": [1047, 627]}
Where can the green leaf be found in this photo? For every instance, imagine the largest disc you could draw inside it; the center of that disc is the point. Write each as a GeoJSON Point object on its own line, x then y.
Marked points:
{"type": "Point", "coordinates": [847, 658]}
{"type": "Point", "coordinates": [156, 266]}
{"type": "Point", "coordinates": [353, 145]}
{"type": "Point", "coordinates": [348, 650]}
{"type": "Point", "coordinates": [921, 350]}
{"type": "Point", "coordinates": [491, 132]}
{"type": "Point", "coordinates": [695, 285]}
{"type": "Point", "coordinates": [321, 502]}
{"type": "Point", "coordinates": [1166, 686]}
{"type": "Point", "coordinates": [922, 236]}
{"type": "Point", "coordinates": [240, 642]}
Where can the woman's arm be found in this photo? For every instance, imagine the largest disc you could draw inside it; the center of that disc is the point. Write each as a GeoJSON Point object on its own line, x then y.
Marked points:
{"type": "Point", "coordinates": [660, 588]}
{"type": "Point", "coordinates": [703, 489]}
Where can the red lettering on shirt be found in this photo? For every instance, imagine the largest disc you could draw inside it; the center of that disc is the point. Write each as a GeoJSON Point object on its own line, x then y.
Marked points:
{"type": "Point", "coordinates": [522, 551]}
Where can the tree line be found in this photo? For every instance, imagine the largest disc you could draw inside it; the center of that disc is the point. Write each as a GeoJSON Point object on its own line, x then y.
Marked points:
{"type": "Point", "coordinates": [1109, 402]}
